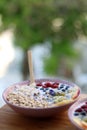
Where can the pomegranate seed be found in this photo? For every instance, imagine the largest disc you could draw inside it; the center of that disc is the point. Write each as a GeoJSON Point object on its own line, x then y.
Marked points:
{"type": "Point", "coordinates": [54, 86]}
{"type": "Point", "coordinates": [39, 84]}
{"type": "Point", "coordinates": [44, 86]}
{"type": "Point", "coordinates": [48, 84]}
{"type": "Point", "coordinates": [56, 83]}
{"type": "Point", "coordinates": [84, 106]}
{"type": "Point", "coordinates": [78, 110]}
{"type": "Point", "coordinates": [85, 109]}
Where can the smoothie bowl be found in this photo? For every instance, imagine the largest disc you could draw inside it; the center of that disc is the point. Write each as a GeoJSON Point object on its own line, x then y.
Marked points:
{"type": "Point", "coordinates": [46, 98]}
{"type": "Point", "coordinates": [78, 114]}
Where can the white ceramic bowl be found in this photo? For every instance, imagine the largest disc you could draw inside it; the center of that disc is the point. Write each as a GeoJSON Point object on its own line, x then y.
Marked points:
{"type": "Point", "coordinates": [39, 112]}
{"type": "Point", "coordinates": [72, 110]}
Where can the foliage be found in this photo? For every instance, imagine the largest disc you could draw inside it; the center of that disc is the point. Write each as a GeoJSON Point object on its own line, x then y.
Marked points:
{"type": "Point", "coordinates": [39, 21]}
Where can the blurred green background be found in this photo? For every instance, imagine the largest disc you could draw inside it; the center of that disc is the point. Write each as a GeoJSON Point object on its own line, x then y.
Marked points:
{"type": "Point", "coordinates": [55, 31]}
{"type": "Point", "coordinates": [56, 25]}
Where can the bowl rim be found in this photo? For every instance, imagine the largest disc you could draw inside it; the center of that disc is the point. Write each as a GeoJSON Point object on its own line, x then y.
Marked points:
{"type": "Point", "coordinates": [39, 80]}
{"type": "Point", "coordinates": [72, 109]}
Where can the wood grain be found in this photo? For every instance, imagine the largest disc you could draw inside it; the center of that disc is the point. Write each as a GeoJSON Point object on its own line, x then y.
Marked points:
{"type": "Point", "coordinates": [10, 120]}
{"type": "Point", "coordinates": [30, 63]}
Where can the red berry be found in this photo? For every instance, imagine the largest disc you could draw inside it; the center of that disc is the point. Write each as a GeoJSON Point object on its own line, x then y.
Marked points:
{"type": "Point", "coordinates": [78, 110]}
{"type": "Point", "coordinates": [44, 86]}
{"type": "Point", "coordinates": [39, 84]}
{"type": "Point", "coordinates": [85, 109]}
{"type": "Point", "coordinates": [84, 106]}
{"type": "Point", "coordinates": [48, 84]}
{"type": "Point", "coordinates": [54, 85]}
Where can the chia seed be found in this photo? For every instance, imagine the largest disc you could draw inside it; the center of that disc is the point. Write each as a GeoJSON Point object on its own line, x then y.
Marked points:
{"type": "Point", "coordinates": [83, 113]}
{"type": "Point", "coordinates": [61, 86]}
{"type": "Point", "coordinates": [67, 87]}
{"type": "Point", "coordinates": [63, 90]}
{"type": "Point", "coordinates": [76, 113]}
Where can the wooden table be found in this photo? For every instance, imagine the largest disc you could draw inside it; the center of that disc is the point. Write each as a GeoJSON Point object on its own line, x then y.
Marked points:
{"type": "Point", "coordinates": [10, 120]}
